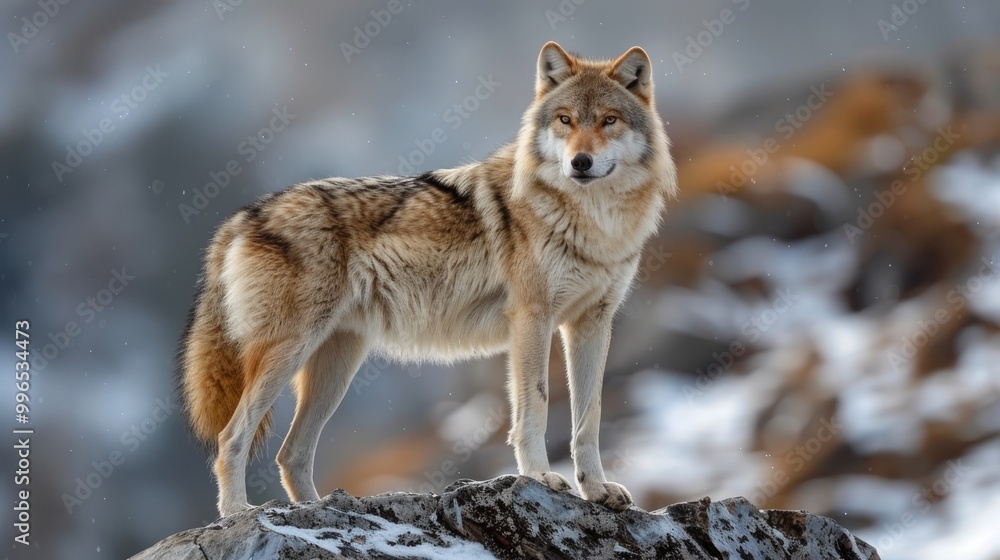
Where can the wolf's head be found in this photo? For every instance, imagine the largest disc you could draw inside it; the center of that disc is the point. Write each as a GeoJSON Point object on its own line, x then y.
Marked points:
{"type": "Point", "coordinates": [594, 123]}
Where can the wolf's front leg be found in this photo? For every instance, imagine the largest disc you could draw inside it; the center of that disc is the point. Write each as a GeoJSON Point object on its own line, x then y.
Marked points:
{"type": "Point", "coordinates": [586, 342]}
{"type": "Point", "coordinates": [531, 338]}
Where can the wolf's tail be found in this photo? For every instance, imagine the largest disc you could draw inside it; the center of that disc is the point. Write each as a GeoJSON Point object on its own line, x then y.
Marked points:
{"type": "Point", "coordinates": [210, 364]}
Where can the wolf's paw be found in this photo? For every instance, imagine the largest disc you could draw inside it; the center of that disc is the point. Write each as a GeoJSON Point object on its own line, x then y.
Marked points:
{"type": "Point", "coordinates": [230, 508]}
{"type": "Point", "coordinates": [554, 481]}
{"type": "Point", "coordinates": [611, 494]}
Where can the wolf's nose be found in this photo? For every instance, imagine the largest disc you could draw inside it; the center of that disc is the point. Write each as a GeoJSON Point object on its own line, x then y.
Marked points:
{"type": "Point", "coordinates": [582, 162]}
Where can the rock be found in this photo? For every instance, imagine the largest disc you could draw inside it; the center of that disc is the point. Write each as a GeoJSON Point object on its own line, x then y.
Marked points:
{"type": "Point", "coordinates": [510, 517]}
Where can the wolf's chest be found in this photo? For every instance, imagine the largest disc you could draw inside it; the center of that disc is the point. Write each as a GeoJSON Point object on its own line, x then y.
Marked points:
{"type": "Point", "coordinates": [575, 284]}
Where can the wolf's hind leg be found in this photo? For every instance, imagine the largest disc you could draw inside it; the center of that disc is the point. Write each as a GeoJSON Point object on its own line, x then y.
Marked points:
{"type": "Point", "coordinates": [319, 388]}
{"type": "Point", "coordinates": [269, 367]}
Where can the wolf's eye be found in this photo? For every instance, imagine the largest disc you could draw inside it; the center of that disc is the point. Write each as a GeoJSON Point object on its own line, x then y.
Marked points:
{"type": "Point", "coordinates": [564, 119]}
{"type": "Point", "coordinates": [610, 120]}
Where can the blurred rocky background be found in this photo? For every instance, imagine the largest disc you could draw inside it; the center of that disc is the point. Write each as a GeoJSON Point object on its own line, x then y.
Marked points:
{"type": "Point", "coordinates": [816, 327]}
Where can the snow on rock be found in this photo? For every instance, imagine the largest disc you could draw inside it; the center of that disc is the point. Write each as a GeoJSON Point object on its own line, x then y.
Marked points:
{"type": "Point", "coordinates": [509, 517]}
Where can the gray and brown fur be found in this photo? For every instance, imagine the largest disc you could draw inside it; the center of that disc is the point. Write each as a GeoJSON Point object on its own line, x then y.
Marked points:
{"type": "Point", "coordinates": [302, 285]}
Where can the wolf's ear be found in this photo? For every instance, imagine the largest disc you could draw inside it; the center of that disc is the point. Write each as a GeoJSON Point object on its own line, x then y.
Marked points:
{"type": "Point", "coordinates": [554, 67]}
{"type": "Point", "coordinates": [634, 71]}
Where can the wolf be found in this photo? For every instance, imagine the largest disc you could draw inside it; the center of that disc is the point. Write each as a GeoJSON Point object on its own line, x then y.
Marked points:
{"type": "Point", "coordinates": [545, 234]}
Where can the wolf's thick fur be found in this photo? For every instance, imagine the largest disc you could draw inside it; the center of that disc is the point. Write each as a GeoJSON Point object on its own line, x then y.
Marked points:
{"type": "Point", "coordinates": [544, 234]}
